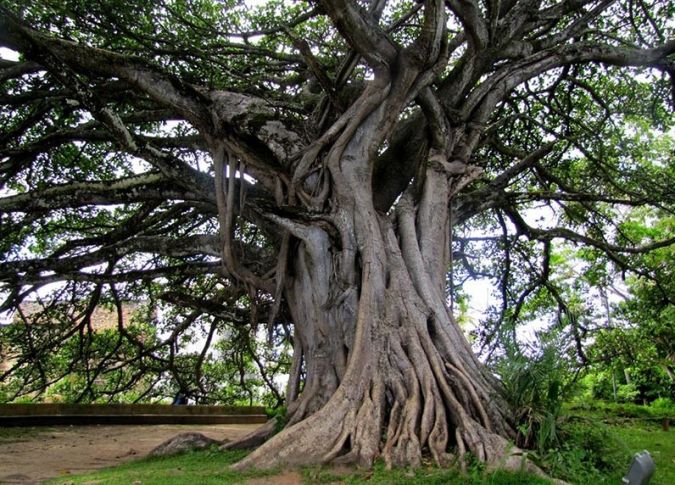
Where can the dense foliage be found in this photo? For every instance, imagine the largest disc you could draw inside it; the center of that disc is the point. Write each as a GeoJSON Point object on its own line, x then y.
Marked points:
{"type": "Point", "coordinates": [319, 179]}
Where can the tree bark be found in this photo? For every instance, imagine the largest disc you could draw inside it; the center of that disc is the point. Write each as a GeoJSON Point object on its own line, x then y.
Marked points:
{"type": "Point", "coordinates": [381, 354]}
{"type": "Point", "coordinates": [389, 373]}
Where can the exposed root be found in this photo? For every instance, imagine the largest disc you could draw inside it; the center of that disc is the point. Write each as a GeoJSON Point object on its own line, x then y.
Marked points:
{"type": "Point", "coordinates": [253, 439]}
{"type": "Point", "coordinates": [404, 401]}
{"type": "Point", "coordinates": [472, 392]}
{"type": "Point", "coordinates": [410, 386]}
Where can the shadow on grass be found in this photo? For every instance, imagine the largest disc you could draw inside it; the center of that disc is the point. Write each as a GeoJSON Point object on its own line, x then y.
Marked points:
{"type": "Point", "coordinates": [212, 467]}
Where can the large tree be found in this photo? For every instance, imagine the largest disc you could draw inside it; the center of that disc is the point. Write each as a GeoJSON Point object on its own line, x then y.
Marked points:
{"type": "Point", "coordinates": [313, 161]}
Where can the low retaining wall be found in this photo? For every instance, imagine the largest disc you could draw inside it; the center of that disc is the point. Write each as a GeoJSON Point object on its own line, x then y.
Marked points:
{"type": "Point", "coordinates": [53, 414]}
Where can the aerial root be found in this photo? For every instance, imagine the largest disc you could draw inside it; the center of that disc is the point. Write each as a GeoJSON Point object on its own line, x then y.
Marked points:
{"type": "Point", "coordinates": [347, 430]}
{"type": "Point", "coordinates": [472, 393]}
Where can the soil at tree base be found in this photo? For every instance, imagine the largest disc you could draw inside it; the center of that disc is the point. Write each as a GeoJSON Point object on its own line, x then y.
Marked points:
{"type": "Point", "coordinates": [64, 450]}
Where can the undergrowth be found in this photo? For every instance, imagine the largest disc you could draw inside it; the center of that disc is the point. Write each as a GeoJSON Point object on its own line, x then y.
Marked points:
{"type": "Point", "coordinates": [659, 409]}
{"type": "Point", "coordinates": [596, 442]}
{"type": "Point", "coordinates": [586, 450]}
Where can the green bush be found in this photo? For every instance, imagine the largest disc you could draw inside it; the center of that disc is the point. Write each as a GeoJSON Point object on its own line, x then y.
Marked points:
{"type": "Point", "coordinates": [588, 452]}
{"type": "Point", "coordinates": [536, 387]}
{"type": "Point", "coordinates": [598, 385]}
{"type": "Point", "coordinates": [659, 408]}
{"type": "Point", "coordinates": [627, 392]}
{"type": "Point", "coordinates": [663, 404]}
{"type": "Point", "coordinates": [279, 414]}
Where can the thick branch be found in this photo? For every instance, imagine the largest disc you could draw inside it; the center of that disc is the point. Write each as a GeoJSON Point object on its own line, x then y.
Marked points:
{"type": "Point", "coordinates": [162, 87]}
{"type": "Point", "coordinates": [469, 14]}
{"type": "Point", "coordinates": [362, 33]}
{"type": "Point", "coordinates": [138, 188]}
{"type": "Point", "coordinates": [10, 69]}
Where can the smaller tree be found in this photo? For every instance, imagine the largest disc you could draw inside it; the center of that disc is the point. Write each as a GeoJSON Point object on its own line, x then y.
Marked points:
{"type": "Point", "coordinates": [47, 357]}
{"type": "Point", "coordinates": [636, 347]}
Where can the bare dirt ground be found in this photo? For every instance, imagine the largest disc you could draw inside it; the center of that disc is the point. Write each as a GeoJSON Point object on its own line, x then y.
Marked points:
{"type": "Point", "coordinates": [63, 450]}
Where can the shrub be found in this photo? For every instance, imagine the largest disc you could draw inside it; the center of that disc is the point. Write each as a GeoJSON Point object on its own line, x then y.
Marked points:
{"type": "Point", "coordinates": [536, 387]}
{"type": "Point", "coordinates": [663, 404]}
{"type": "Point", "coordinates": [627, 393]}
{"type": "Point", "coordinates": [588, 452]}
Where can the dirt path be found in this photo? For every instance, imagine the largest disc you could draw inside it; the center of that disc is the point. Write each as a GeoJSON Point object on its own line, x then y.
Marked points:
{"type": "Point", "coordinates": [62, 450]}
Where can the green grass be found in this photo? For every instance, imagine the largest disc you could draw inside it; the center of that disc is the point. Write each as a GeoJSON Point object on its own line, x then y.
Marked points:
{"type": "Point", "coordinates": [202, 467]}
{"type": "Point", "coordinates": [429, 475]}
{"type": "Point", "coordinates": [640, 428]}
{"type": "Point", "coordinates": [604, 438]}
{"type": "Point", "coordinates": [660, 444]}
{"type": "Point", "coordinates": [212, 467]}
{"type": "Point", "coordinates": [600, 443]}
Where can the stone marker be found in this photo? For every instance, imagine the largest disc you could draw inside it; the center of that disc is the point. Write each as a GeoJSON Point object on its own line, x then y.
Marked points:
{"type": "Point", "coordinates": [641, 469]}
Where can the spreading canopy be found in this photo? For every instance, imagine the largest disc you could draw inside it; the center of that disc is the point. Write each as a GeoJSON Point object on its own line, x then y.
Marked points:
{"type": "Point", "coordinates": [203, 153]}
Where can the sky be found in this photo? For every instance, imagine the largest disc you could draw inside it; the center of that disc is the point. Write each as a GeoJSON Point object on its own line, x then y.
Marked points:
{"type": "Point", "coordinates": [8, 54]}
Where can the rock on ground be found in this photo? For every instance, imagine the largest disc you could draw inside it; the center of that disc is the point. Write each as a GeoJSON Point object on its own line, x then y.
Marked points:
{"type": "Point", "coordinates": [184, 442]}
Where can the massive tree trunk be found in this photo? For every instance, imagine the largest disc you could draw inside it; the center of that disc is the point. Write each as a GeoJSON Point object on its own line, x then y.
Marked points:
{"type": "Point", "coordinates": [380, 349]}
{"type": "Point", "coordinates": [383, 354]}
{"type": "Point", "coordinates": [388, 371]}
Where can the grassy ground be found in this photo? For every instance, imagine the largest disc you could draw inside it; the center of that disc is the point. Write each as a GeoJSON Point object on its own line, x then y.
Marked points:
{"type": "Point", "coordinates": [584, 460]}
{"type": "Point", "coordinates": [638, 428]}
{"type": "Point", "coordinates": [659, 443]}
{"type": "Point", "coordinates": [429, 475]}
{"type": "Point", "coordinates": [203, 467]}
{"type": "Point", "coordinates": [212, 467]}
